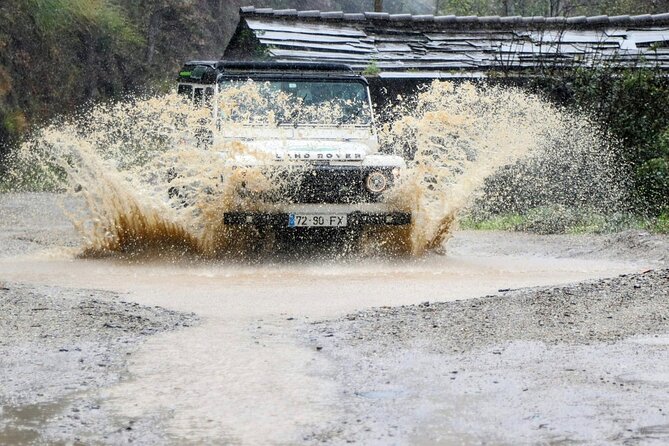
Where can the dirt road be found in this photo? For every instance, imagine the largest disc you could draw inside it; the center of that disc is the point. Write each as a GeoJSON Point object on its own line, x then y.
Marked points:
{"type": "Point", "coordinates": [280, 353]}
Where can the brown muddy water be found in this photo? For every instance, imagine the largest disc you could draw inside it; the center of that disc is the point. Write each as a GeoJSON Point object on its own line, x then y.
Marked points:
{"type": "Point", "coordinates": [243, 375]}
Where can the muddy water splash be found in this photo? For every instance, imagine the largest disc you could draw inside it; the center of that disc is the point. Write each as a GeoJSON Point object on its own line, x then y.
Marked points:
{"type": "Point", "coordinates": [148, 185]}
{"type": "Point", "coordinates": [154, 182]}
{"type": "Point", "coordinates": [458, 136]}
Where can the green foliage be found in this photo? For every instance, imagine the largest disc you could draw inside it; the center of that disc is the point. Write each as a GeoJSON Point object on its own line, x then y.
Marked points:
{"type": "Point", "coordinates": [250, 45]}
{"type": "Point", "coordinates": [58, 54]}
{"type": "Point", "coordinates": [470, 7]}
{"type": "Point", "coordinates": [553, 219]}
{"type": "Point", "coordinates": [504, 222]}
{"type": "Point", "coordinates": [633, 106]}
{"type": "Point", "coordinates": [372, 69]}
{"type": "Point", "coordinates": [662, 223]}
{"type": "Point", "coordinates": [557, 219]}
{"type": "Point", "coordinates": [33, 179]}
{"type": "Point", "coordinates": [663, 143]}
{"type": "Point", "coordinates": [15, 123]}
{"type": "Point", "coordinates": [653, 183]}
{"type": "Point", "coordinates": [58, 16]}
{"type": "Point", "coordinates": [550, 7]}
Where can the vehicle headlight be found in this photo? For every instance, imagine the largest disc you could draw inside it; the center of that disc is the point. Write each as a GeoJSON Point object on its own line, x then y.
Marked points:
{"type": "Point", "coordinates": [376, 182]}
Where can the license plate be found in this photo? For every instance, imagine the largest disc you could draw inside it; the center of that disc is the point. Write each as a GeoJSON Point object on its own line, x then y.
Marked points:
{"type": "Point", "coordinates": [316, 220]}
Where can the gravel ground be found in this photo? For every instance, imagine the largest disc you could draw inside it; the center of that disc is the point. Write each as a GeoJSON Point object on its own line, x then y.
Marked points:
{"type": "Point", "coordinates": [33, 222]}
{"type": "Point", "coordinates": [57, 348]}
{"type": "Point", "coordinates": [631, 245]}
{"type": "Point", "coordinates": [585, 363]}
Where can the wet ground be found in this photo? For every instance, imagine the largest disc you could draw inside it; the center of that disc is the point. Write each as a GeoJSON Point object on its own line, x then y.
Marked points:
{"type": "Point", "coordinates": [57, 348]}
{"type": "Point", "coordinates": [585, 363]}
{"type": "Point", "coordinates": [274, 358]}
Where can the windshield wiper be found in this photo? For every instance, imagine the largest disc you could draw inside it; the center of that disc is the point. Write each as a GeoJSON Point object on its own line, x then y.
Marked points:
{"type": "Point", "coordinates": [350, 118]}
{"type": "Point", "coordinates": [291, 119]}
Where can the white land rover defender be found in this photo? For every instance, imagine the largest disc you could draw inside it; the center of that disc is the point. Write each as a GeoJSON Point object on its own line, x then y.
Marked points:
{"type": "Point", "coordinates": [344, 175]}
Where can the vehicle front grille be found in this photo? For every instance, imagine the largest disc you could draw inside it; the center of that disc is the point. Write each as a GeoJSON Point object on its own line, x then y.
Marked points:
{"type": "Point", "coordinates": [327, 184]}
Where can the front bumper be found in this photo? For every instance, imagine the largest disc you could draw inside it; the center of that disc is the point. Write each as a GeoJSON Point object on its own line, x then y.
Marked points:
{"type": "Point", "coordinates": [281, 219]}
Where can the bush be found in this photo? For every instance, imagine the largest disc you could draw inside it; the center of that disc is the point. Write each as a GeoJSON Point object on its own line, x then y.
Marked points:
{"type": "Point", "coordinates": [633, 106]}
{"type": "Point", "coordinates": [58, 16]}
{"type": "Point", "coordinates": [662, 223]}
{"type": "Point", "coordinates": [653, 184]}
{"type": "Point", "coordinates": [553, 219]}
{"type": "Point", "coordinates": [558, 219]}
{"type": "Point", "coordinates": [505, 222]}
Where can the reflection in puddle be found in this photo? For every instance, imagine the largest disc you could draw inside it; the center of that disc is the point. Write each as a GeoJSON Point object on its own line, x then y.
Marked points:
{"type": "Point", "coordinates": [22, 425]}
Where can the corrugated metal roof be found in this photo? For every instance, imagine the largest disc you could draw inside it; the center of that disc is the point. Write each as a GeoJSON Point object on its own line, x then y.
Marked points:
{"type": "Point", "coordinates": [446, 45]}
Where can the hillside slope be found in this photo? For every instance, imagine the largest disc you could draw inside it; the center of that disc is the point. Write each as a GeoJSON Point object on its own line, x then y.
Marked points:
{"type": "Point", "coordinates": [56, 55]}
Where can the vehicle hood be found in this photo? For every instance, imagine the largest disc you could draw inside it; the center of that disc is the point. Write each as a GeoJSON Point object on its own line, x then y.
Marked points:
{"type": "Point", "coordinates": [299, 144]}
{"type": "Point", "coordinates": [313, 150]}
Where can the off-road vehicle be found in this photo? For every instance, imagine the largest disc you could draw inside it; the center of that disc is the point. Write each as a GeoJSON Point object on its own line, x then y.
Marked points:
{"type": "Point", "coordinates": [334, 177]}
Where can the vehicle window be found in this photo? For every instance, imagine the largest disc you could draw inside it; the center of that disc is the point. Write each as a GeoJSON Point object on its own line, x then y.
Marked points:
{"type": "Point", "coordinates": [185, 90]}
{"type": "Point", "coordinates": [202, 96]}
{"type": "Point", "coordinates": [296, 102]}
{"type": "Point", "coordinates": [197, 97]}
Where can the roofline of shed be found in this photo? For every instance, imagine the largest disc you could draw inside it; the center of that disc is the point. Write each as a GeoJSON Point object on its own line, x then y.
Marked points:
{"type": "Point", "coordinates": [451, 21]}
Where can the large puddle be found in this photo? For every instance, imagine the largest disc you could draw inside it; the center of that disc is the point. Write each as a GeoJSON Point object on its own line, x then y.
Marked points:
{"type": "Point", "coordinates": [242, 375]}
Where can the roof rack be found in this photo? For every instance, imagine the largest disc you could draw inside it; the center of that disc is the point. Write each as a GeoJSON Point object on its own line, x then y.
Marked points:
{"type": "Point", "coordinates": [283, 66]}
{"type": "Point", "coordinates": [209, 63]}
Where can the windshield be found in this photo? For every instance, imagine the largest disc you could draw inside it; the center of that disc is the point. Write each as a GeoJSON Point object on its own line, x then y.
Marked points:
{"type": "Point", "coordinates": [295, 102]}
